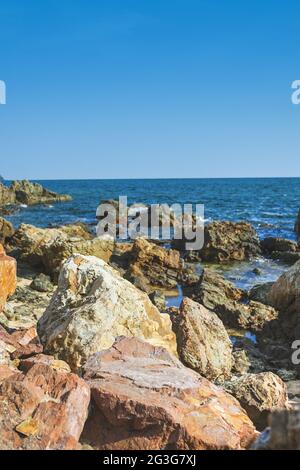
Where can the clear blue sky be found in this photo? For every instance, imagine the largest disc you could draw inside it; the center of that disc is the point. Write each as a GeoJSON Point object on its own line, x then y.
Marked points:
{"type": "Point", "coordinates": [149, 88]}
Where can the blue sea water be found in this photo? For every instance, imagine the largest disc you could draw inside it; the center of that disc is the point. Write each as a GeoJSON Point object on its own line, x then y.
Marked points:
{"type": "Point", "coordinates": [270, 204]}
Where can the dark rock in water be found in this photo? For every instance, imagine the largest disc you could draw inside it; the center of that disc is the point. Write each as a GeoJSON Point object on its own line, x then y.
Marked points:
{"type": "Point", "coordinates": [283, 433]}
{"type": "Point", "coordinates": [6, 230]}
{"type": "Point", "coordinates": [203, 343]}
{"type": "Point", "coordinates": [226, 241]}
{"type": "Point", "coordinates": [256, 271]}
{"type": "Point", "coordinates": [260, 293]}
{"type": "Point", "coordinates": [144, 398]}
{"type": "Point", "coordinates": [25, 192]}
{"type": "Point", "coordinates": [158, 299]}
{"type": "Point", "coordinates": [228, 302]}
{"type": "Point", "coordinates": [297, 224]}
{"type": "Point", "coordinates": [259, 394]}
{"type": "Point", "coordinates": [281, 249]}
{"type": "Point", "coordinates": [42, 283]}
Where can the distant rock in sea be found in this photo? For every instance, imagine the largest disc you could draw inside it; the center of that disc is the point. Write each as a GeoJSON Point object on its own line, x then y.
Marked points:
{"type": "Point", "coordinates": [25, 192]}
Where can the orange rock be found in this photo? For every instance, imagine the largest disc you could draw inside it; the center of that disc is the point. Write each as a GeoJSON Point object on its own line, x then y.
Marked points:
{"type": "Point", "coordinates": [144, 398]}
{"type": "Point", "coordinates": [8, 276]}
{"type": "Point", "coordinates": [42, 409]}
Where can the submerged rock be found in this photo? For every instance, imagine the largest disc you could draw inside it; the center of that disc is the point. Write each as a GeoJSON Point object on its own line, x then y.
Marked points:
{"type": "Point", "coordinates": [93, 305]}
{"type": "Point", "coordinates": [202, 341]}
{"type": "Point", "coordinates": [259, 394]}
{"type": "Point", "coordinates": [144, 398]}
{"type": "Point", "coordinates": [8, 277]}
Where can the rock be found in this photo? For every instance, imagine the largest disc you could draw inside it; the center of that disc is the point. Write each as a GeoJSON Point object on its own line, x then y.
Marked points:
{"type": "Point", "coordinates": [26, 364]}
{"type": "Point", "coordinates": [8, 277]}
{"type": "Point", "coordinates": [42, 283]}
{"type": "Point", "coordinates": [259, 394]}
{"type": "Point", "coordinates": [46, 249]}
{"type": "Point", "coordinates": [21, 343]}
{"type": "Point", "coordinates": [202, 341]}
{"type": "Point", "coordinates": [6, 230]}
{"type": "Point", "coordinates": [7, 196]}
{"type": "Point", "coordinates": [241, 362]}
{"type": "Point", "coordinates": [228, 302]}
{"type": "Point", "coordinates": [281, 249]}
{"type": "Point", "coordinates": [260, 293]}
{"type": "Point", "coordinates": [154, 265]}
{"type": "Point", "coordinates": [42, 409]}
{"type": "Point", "coordinates": [285, 297]}
{"type": "Point", "coordinates": [33, 193]}
{"type": "Point", "coordinates": [159, 300]}
{"type": "Point", "coordinates": [283, 433]}
{"type": "Point", "coordinates": [144, 398]}
{"type": "Point", "coordinates": [92, 306]}
{"type": "Point", "coordinates": [229, 241]}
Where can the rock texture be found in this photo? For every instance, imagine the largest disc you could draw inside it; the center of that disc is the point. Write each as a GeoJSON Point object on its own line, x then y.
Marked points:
{"type": "Point", "coordinates": [92, 306]}
{"type": "Point", "coordinates": [42, 409]}
{"type": "Point", "coordinates": [8, 277]}
{"type": "Point", "coordinates": [259, 394]}
{"type": "Point", "coordinates": [228, 241]}
{"type": "Point", "coordinates": [202, 341]}
{"type": "Point", "coordinates": [281, 249]}
{"type": "Point", "coordinates": [283, 434]}
{"type": "Point", "coordinates": [144, 398]}
{"type": "Point", "coordinates": [229, 303]}
{"type": "Point", "coordinates": [48, 248]}
{"type": "Point", "coordinates": [154, 266]}
{"type": "Point", "coordinates": [6, 230]}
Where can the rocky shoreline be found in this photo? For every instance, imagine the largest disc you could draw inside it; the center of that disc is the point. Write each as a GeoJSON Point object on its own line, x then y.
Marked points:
{"type": "Point", "coordinates": [91, 357]}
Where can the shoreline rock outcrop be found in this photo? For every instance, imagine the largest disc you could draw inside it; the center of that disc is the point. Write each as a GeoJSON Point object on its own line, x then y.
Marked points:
{"type": "Point", "coordinates": [25, 192]}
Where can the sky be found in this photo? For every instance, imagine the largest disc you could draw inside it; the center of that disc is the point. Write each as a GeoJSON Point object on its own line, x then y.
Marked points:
{"type": "Point", "coordinates": [149, 88]}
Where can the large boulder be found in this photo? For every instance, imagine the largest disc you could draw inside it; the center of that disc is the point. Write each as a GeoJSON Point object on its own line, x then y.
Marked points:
{"type": "Point", "coordinates": [259, 394]}
{"type": "Point", "coordinates": [93, 305]}
{"type": "Point", "coordinates": [144, 398]}
{"type": "Point", "coordinates": [202, 341]}
{"type": "Point", "coordinates": [8, 277]}
{"type": "Point", "coordinates": [285, 297]}
{"type": "Point", "coordinates": [154, 266]}
{"type": "Point", "coordinates": [228, 241]}
{"type": "Point", "coordinates": [229, 302]}
{"type": "Point", "coordinates": [41, 409]}
{"type": "Point", "coordinates": [6, 230]}
{"type": "Point", "coordinates": [46, 249]}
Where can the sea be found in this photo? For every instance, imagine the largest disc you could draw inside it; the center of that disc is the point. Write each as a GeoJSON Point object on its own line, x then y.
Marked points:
{"type": "Point", "coordinates": [269, 204]}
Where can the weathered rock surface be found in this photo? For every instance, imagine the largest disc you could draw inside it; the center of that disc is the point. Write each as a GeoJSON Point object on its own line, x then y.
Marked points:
{"type": "Point", "coordinates": [152, 265]}
{"type": "Point", "coordinates": [92, 306]}
{"type": "Point", "coordinates": [21, 343]}
{"type": "Point", "coordinates": [202, 341]}
{"type": "Point", "coordinates": [285, 297]}
{"type": "Point", "coordinates": [260, 293]}
{"type": "Point", "coordinates": [283, 434]}
{"type": "Point", "coordinates": [228, 302]}
{"type": "Point", "coordinates": [281, 249]}
{"type": "Point", "coordinates": [48, 248]}
{"type": "Point", "coordinates": [228, 241]}
{"type": "Point", "coordinates": [42, 409]}
{"type": "Point", "coordinates": [6, 230]}
{"type": "Point", "coordinates": [8, 277]}
{"type": "Point", "coordinates": [259, 394]}
{"type": "Point", "coordinates": [144, 398]}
